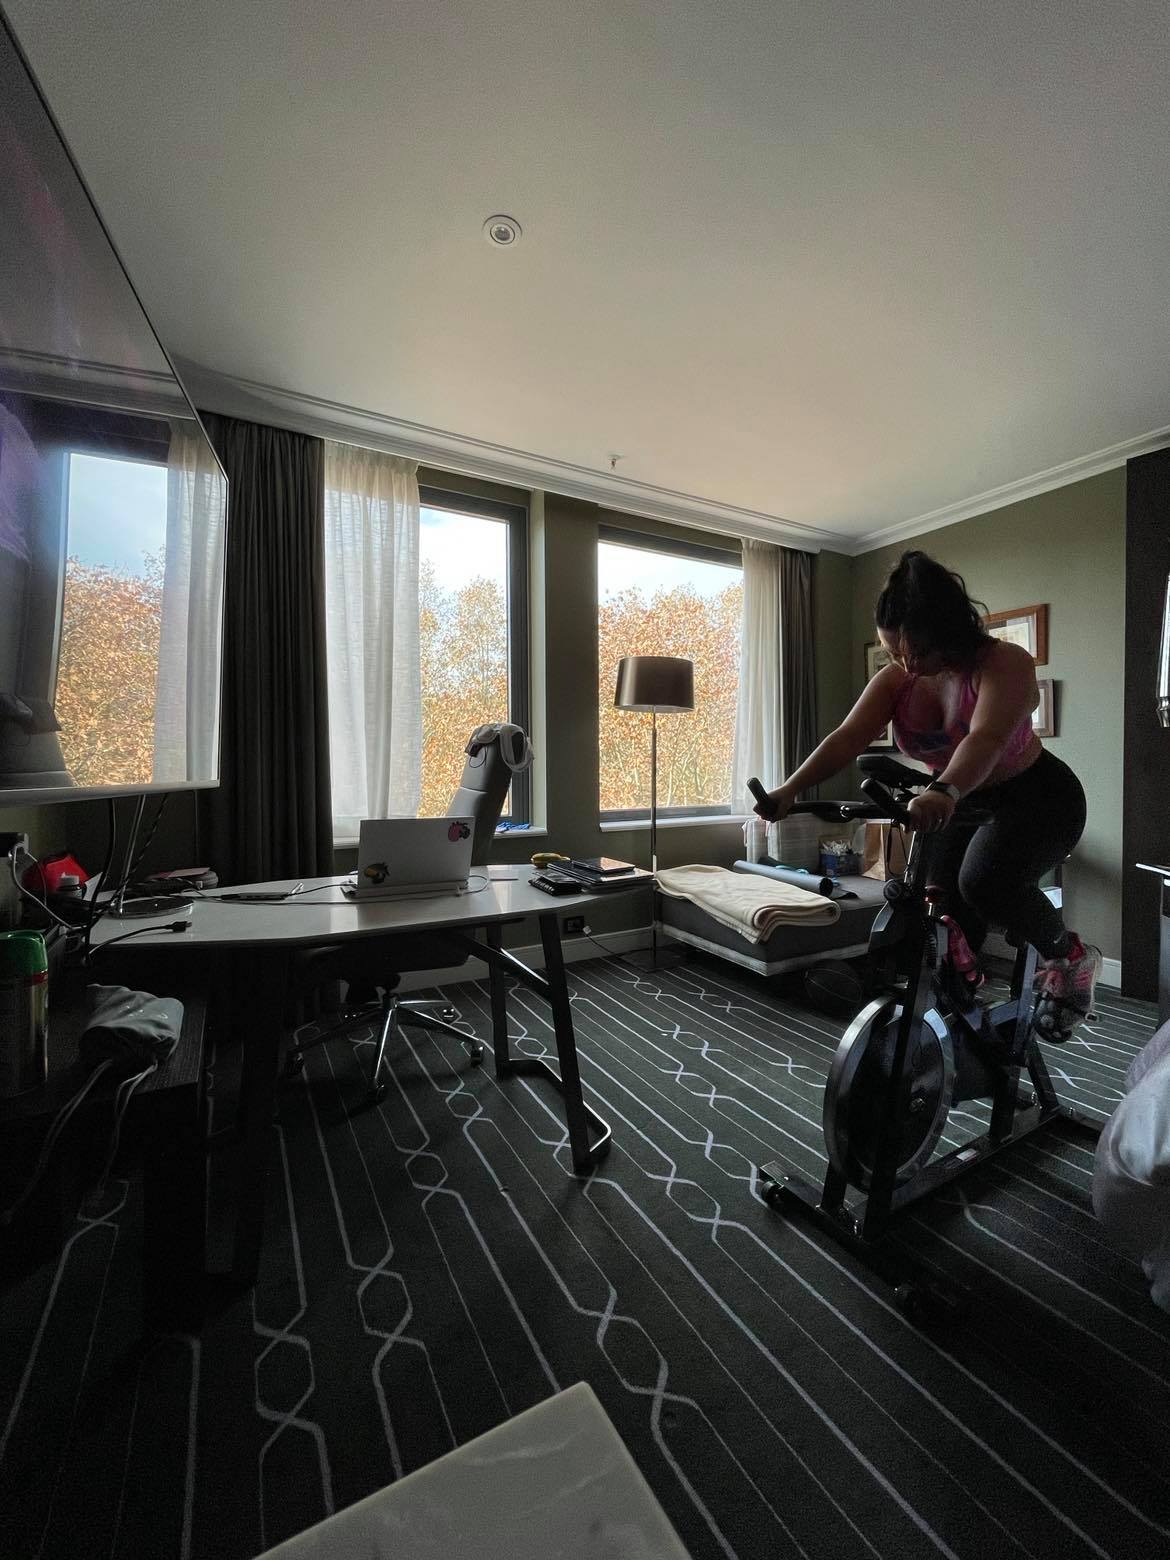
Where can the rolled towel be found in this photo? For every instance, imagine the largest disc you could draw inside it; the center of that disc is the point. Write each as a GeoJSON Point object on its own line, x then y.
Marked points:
{"type": "Point", "coordinates": [809, 881]}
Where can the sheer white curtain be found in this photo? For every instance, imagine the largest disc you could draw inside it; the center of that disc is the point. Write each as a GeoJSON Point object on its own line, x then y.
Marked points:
{"type": "Point", "coordinates": [186, 706]}
{"type": "Point", "coordinates": [372, 632]}
{"type": "Point", "coordinates": [759, 725]}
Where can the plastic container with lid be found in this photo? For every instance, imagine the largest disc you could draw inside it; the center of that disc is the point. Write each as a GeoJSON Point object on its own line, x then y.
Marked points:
{"type": "Point", "coordinates": [24, 999]}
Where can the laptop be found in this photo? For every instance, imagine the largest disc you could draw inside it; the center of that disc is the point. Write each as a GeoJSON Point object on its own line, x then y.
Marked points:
{"type": "Point", "coordinates": [400, 857]}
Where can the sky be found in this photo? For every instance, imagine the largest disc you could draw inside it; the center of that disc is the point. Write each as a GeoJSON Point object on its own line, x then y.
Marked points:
{"type": "Point", "coordinates": [620, 568]}
{"type": "Point", "coordinates": [463, 547]}
{"type": "Point", "coordinates": [117, 511]}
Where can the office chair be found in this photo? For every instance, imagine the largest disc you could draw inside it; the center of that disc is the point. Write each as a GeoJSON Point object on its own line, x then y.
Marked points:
{"type": "Point", "coordinates": [494, 754]}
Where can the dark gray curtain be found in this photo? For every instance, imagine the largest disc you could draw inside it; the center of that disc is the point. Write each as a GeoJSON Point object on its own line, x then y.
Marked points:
{"type": "Point", "coordinates": [798, 659]}
{"type": "Point", "coordinates": [271, 816]}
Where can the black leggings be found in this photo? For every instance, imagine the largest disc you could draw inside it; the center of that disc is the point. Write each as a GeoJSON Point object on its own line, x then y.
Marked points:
{"type": "Point", "coordinates": [990, 872]}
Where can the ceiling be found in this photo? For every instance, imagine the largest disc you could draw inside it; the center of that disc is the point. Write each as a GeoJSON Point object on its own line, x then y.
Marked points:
{"type": "Point", "coordinates": [840, 265]}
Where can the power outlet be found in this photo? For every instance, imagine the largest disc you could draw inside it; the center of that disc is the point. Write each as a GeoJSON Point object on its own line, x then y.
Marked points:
{"type": "Point", "coordinates": [574, 924]}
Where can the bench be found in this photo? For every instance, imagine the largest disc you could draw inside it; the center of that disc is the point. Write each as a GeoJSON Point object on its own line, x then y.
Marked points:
{"type": "Point", "coordinates": [790, 947]}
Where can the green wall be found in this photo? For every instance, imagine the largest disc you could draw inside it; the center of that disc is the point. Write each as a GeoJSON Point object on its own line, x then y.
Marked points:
{"type": "Point", "coordinates": [1066, 548]}
{"type": "Point", "coordinates": [833, 627]}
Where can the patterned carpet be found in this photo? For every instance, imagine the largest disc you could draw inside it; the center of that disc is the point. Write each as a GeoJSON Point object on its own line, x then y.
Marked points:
{"type": "Point", "coordinates": [433, 1267]}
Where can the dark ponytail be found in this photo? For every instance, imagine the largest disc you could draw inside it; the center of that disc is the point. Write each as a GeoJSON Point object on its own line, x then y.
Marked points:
{"type": "Point", "coordinates": [929, 607]}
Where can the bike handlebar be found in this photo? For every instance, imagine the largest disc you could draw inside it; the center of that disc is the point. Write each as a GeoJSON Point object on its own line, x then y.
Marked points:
{"type": "Point", "coordinates": [883, 804]}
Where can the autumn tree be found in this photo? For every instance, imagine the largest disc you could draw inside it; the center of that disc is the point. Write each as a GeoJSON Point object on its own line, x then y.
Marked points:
{"type": "Point", "coordinates": [694, 750]}
{"type": "Point", "coordinates": [464, 653]}
{"type": "Point", "coordinates": [107, 672]}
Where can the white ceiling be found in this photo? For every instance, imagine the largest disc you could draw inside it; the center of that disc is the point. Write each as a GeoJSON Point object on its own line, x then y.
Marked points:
{"type": "Point", "coordinates": [841, 264]}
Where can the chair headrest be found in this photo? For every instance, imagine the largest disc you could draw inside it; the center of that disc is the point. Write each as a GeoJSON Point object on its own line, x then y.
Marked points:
{"type": "Point", "coordinates": [515, 748]}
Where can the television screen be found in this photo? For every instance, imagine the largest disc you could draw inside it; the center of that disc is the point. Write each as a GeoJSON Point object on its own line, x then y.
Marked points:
{"type": "Point", "coordinates": [113, 506]}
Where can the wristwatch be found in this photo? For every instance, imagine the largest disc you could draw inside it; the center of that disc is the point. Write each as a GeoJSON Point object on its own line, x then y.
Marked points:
{"type": "Point", "coordinates": [947, 789]}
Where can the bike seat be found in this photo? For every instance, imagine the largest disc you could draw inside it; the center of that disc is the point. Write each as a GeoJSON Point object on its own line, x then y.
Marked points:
{"type": "Point", "coordinates": [879, 766]}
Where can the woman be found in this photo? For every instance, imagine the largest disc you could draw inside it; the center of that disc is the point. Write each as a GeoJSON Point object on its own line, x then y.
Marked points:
{"type": "Point", "coordinates": [961, 703]}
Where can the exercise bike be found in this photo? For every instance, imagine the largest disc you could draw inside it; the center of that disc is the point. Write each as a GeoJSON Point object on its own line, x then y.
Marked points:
{"type": "Point", "coordinates": [921, 1045]}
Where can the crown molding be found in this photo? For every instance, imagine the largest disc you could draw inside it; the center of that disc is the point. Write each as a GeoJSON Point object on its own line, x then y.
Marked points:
{"type": "Point", "coordinates": [1015, 492]}
{"type": "Point", "coordinates": [314, 415]}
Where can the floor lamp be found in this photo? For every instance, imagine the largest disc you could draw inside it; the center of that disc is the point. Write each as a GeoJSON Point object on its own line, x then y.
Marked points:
{"type": "Point", "coordinates": [662, 684]}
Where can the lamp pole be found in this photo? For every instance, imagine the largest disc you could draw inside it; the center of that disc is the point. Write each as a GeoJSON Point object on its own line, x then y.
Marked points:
{"type": "Point", "coordinates": [654, 838]}
{"type": "Point", "coordinates": [654, 791]}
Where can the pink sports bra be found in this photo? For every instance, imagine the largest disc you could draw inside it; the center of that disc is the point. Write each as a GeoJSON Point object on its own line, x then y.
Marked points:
{"type": "Point", "coordinates": [954, 700]}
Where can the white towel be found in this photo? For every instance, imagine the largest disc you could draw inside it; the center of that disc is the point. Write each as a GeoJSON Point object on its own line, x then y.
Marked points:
{"type": "Point", "coordinates": [750, 905]}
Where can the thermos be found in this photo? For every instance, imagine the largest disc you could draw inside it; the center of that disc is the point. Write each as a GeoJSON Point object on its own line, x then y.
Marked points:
{"type": "Point", "coordinates": [24, 998]}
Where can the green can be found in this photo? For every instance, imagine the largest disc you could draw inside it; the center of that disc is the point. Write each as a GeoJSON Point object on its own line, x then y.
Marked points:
{"type": "Point", "coordinates": [24, 1003]}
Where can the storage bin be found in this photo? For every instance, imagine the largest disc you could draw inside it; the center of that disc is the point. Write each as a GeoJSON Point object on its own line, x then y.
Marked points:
{"type": "Point", "coordinates": [840, 863]}
{"type": "Point", "coordinates": [795, 841]}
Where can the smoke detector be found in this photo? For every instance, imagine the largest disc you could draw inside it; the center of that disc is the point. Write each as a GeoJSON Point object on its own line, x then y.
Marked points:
{"type": "Point", "coordinates": [502, 231]}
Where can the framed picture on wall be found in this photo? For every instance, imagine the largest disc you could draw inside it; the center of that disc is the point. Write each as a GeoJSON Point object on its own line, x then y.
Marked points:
{"type": "Point", "coordinates": [1044, 715]}
{"type": "Point", "coordinates": [877, 656]}
{"type": "Point", "coordinates": [1025, 626]}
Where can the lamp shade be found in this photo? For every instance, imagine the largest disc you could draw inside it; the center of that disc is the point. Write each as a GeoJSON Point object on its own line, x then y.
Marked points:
{"type": "Point", "coordinates": [655, 682]}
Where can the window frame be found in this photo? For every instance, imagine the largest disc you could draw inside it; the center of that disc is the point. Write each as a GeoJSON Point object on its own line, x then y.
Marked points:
{"type": "Point", "coordinates": [703, 552]}
{"type": "Point", "coordinates": [515, 516]}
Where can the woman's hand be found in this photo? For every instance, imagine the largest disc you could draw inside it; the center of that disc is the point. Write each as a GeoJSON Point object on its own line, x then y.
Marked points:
{"type": "Point", "coordinates": [780, 803]}
{"type": "Point", "coordinates": [930, 811]}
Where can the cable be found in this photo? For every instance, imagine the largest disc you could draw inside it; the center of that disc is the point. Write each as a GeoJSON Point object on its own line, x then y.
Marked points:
{"type": "Point", "coordinates": [96, 911]}
{"type": "Point", "coordinates": [139, 931]}
{"type": "Point", "coordinates": [59, 1123]}
{"type": "Point", "coordinates": [41, 904]}
{"type": "Point", "coordinates": [150, 834]}
{"type": "Point", "coordinates": [122, 1096]}
{"type": "Point", "coordinates": [610, 953]}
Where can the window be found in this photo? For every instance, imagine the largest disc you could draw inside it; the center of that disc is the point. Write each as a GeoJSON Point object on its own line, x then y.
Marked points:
{"type": "Point", "coordinates": [426, 635]}
{"type": "Point", "coordinates": [667, 598]}
{"type": "Point", "coordinates": [473, 633]}
{"type": "Point", "coordinates": [111, 617]}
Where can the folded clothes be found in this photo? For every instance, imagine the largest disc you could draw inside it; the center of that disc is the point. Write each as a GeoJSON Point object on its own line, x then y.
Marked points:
{"type": "Point", "coordinates": [752, 906]}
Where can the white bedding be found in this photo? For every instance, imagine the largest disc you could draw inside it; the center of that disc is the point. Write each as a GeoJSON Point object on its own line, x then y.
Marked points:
{"type": "Point", "coordinates": [1131, 1172]}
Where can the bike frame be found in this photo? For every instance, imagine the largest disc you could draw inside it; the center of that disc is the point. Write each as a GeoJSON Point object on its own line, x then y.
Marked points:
{"type": "Point", "coordinates": [907, 923]}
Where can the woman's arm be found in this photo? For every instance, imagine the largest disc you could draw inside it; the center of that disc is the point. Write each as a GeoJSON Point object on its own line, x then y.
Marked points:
{"type": "Point", "coordinates": [1007, 695]}
{"type": "Point", "coordinates": [865, 722]}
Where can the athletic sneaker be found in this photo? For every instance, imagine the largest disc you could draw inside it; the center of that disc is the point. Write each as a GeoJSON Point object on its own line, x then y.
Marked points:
{"type": "Point", "coordinates": [962, 960]}
{"type": "Point", "coordinates": [1066, 990]}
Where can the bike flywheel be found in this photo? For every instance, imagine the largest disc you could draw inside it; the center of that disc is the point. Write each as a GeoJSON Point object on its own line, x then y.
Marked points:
{"type": "Point", "coordinates": [855, 1093]}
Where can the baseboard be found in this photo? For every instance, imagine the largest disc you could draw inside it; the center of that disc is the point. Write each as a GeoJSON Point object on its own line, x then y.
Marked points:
{"type": "Point", "coordinates": [999, 949]}
{"type": "Point", "coordinates": [576, 948]}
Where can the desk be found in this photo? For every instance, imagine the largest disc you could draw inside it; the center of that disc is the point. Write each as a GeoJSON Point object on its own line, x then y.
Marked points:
{"type": "Point", "coordinates": [320, 915]}
{"type": "Point", "coordinates": [555, 1480]}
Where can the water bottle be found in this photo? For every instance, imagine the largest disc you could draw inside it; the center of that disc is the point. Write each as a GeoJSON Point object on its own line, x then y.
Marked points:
{"type": "Point", "coordinates": [24, 1000]}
